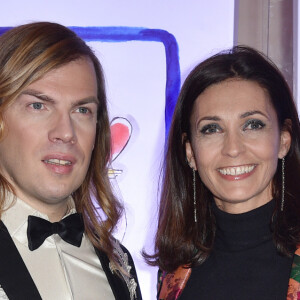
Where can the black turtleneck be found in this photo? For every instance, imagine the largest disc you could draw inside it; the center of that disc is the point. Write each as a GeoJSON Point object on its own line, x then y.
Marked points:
{"type": "Point", "coordinates": [244, 264]}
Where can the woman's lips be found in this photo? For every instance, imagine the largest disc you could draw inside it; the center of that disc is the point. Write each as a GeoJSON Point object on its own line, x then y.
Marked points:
{"type": "Point", "coordinates": [237, 173]}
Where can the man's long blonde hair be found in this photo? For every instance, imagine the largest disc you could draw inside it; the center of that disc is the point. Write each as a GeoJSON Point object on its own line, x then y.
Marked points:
{"type": "Point", "coordinates": [27, 53]}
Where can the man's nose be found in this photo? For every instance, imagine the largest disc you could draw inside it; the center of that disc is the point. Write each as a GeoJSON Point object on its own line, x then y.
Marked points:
{"type": "Point", "coordinates": [63, 130]}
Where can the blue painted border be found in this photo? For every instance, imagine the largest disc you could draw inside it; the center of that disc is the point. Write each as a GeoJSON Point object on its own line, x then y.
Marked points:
{"type": "Point", "coordinates": [124, 34]}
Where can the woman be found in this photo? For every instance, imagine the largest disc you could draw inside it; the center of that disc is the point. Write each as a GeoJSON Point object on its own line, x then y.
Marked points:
{"type": "Point", "coordinates": [229, 214]}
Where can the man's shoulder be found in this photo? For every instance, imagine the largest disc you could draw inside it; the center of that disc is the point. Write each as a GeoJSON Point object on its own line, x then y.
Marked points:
{"type": "Point", "coordinates": [123, 259]}
{"type": "Point", "coordinates": [127, 277]}
{"type": "Point", "coordinates": [122, 253]}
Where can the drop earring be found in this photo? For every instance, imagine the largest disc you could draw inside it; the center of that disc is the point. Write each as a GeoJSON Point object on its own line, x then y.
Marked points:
{"type": "Point", "coordinates": [282, 182]}
{"type": "Point", "coordinates": [194, 195]}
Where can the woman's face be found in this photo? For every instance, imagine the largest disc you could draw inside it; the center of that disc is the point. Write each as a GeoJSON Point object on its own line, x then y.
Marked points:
{"type": "Point", "coordinates": [235, 144]}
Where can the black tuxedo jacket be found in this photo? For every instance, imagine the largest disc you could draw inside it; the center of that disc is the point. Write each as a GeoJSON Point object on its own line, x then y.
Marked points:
{"type": "Point", "coordinates": [18, 284]}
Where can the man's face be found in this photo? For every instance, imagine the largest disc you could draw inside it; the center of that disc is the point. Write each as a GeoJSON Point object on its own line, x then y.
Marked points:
{"type": "Point", "coordinates": [49, 135]}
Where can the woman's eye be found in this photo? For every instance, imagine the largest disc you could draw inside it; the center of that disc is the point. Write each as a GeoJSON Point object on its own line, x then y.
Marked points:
{"type": "Point", "coordinates": [254, 125]}
{"type": "Point", "coordinates": [37, 105]}
{"type": "Point", "coordinates": [210, 128]}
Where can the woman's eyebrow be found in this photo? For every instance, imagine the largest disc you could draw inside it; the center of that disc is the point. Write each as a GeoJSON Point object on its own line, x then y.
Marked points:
{"type": "Point", "coordinates": [210, 118]}
{"type": "Point", "coordinates": [253, 112]}
{"type": "Point", "coordinates": [207, 118]}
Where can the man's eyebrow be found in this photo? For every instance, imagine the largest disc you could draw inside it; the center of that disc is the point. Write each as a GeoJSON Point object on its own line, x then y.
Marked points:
{"type": "Point", "coordinates": [86, 101]}
{"type": "Point", "coordinates": [43, 97]}
{"type": "Point", "coordinates": [37, 94]}
{"type": "Point", "coordinates": [253, 112]}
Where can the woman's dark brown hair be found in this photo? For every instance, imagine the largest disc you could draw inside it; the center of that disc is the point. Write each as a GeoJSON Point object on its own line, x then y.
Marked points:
{"type": "Point", "coordinates": [179, 240]}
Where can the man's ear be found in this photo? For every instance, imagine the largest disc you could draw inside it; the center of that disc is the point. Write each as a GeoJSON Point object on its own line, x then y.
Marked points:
{"type": "Point", "coordinates": [285, 139]}
{"type": "Point", "coordinates": [189, 152]}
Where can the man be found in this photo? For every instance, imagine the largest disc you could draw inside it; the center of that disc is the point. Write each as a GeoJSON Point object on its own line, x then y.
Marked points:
{"type": "Point", "coordinates": [54, 152]}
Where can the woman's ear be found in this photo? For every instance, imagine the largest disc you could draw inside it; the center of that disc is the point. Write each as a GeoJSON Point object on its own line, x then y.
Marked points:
{"type": "Point", "coordinates": [189, 152]}
{"type": "Point", "coordinates": [285, 138]}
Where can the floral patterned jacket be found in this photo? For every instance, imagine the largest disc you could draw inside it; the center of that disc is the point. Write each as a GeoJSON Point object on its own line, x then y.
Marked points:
{"type": "Point", "coordinates": [294, 283]}
{"type": "Point", "coordinates": [171, 285]}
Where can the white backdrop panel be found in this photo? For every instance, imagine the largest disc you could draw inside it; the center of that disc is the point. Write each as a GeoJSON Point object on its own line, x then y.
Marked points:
{"type": "Point", "coordinates": [136, 77]}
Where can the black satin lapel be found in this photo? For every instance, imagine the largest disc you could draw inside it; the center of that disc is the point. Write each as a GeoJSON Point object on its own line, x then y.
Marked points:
{"type": "Point", "coordinates": [117, 284]}
{"type": "Point", "coordinates": [14, 276]}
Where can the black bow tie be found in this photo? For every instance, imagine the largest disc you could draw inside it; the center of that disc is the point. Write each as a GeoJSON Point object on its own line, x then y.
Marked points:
{"type": "Point", "coordinates": [70, 229]}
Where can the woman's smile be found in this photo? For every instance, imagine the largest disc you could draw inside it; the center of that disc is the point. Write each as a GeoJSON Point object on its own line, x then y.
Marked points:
{"type": "Point", "coordinates": [235, 143]}
{"type": "Point", "coordinates": [236, 173]}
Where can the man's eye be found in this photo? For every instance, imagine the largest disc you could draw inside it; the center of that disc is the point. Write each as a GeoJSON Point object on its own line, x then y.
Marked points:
{"type": "Point", "coordinates": [254, 125]}
{"type": "Point", "coordinates": [210, 128]}
{"type": "Point", "coordinates": [37, 105]}
{"type": "Point", "coordinates": [83, 110]}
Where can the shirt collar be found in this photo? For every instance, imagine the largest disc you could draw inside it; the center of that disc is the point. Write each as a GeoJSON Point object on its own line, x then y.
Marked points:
{"type": "Point", "coordinates": [16, 214]}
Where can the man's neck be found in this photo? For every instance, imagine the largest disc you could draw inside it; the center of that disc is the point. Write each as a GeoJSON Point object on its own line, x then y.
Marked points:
{"type": "Point", "coordinates": [55, 212]}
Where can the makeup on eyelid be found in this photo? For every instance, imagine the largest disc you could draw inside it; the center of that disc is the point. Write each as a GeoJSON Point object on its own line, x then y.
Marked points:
{"type": "Point", "coordinates": [210, 129]}
{"type": "Point", "coordinates": [235, 143]}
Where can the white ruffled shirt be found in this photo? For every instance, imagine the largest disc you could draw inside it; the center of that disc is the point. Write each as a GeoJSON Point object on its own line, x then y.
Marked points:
{"type": "Point", "coordinates": [59, 270]}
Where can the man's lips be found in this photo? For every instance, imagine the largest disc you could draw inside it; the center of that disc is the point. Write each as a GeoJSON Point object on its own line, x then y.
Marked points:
{"type": "Point", "coordinates": [59, 159]}
{"type": "Point", "coordinates": [58, 163]}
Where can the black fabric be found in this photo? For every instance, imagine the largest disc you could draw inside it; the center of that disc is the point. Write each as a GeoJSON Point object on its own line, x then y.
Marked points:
{"type": "Point", "coordinates": [117, 284]}
{"type": "Point", "coordinates": [14, 276]}
{"type": "Point", "coordinates": [244, 263]}
{"type": "Point", "coordinates": [17, 282]}
{"type": "Point", "coordinates": [70, 229]}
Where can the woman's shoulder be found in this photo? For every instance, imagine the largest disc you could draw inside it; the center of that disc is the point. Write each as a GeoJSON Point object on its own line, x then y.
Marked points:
{"type": "Point", "coordinates": [171, 284]}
